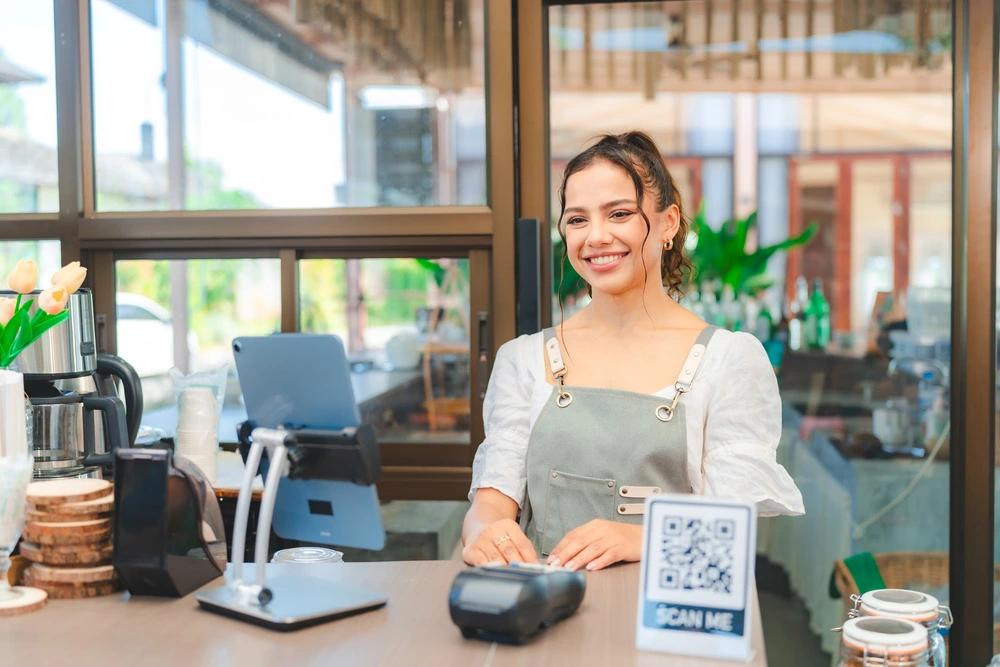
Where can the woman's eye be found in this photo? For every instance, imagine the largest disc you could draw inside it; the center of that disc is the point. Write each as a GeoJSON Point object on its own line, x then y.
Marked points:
{"type": "Point", "coordinates": [621, 215]}
{"type": "Point", "coordinates": [573, 221]}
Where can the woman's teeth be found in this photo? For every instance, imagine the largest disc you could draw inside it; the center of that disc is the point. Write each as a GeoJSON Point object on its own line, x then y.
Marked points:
{"type": "Point", "coordinates": [605, 259]}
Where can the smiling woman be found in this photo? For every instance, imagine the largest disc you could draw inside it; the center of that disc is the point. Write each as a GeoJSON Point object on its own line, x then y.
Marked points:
{"type": "Point", "coordinates": [658, 397]}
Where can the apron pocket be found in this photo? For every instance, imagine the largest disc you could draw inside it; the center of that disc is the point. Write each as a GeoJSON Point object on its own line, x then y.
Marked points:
{"type": "Point", "coordinates": [571, 501]}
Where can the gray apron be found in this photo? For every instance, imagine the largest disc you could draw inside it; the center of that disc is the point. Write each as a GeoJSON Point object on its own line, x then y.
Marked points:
{"type": "Point", "coordinates": [597, 453]}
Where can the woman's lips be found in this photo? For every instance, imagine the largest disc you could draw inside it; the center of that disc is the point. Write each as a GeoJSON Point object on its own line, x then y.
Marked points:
{"type": "Point", "coordinates": [605, 265]}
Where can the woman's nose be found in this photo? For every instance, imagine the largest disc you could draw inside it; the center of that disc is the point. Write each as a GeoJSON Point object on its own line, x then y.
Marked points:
{"type": "Point", "coordinates": [599, 234]}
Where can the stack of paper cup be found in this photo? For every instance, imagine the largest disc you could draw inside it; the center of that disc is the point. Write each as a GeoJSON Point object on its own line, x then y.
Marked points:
{"type": "Point", "coordinates": [197, 430]}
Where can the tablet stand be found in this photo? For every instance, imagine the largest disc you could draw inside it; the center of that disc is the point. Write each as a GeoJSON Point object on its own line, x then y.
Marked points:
{"type": "Point", "coordinates": [285, 602]}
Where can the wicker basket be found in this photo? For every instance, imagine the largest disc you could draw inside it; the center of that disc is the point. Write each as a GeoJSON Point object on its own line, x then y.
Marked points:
{"type": "Point", "coordinates": [900, 568]}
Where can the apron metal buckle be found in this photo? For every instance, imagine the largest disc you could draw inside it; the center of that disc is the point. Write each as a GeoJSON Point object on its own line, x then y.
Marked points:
{"type": "Point", "coordinates": [564, 398]}
{"type": "Point", "coordinates": [666, 412]}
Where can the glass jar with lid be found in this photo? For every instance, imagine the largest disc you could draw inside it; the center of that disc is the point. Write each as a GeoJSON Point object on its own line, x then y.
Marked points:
{"type": "Point", "coordinates": [874, 641]}
{"type": "Point", "coordinates": [910, 606]}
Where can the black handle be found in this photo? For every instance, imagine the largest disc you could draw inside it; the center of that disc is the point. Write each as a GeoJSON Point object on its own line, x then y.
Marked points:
{"type": "Point", "coordinates": [108, 367]}
{"type": "Point", "coordinates": [113, 410]}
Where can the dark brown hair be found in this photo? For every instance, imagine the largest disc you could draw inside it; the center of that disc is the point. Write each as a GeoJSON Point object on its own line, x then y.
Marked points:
{"type": "Point", "coordinates": [636, 153]}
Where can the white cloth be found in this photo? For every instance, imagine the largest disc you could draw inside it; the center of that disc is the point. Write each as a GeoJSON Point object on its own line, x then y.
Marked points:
{"type": "Point", "coordinates": [733, 415]}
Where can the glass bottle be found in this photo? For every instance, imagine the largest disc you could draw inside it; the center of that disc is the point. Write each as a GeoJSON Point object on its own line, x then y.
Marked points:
{"type": "Point", "coordinates": [912, 606]}
{"type": "Point", "coordinates": [730, 310]}
{"type": "Point", "coordinates": [764, 322]}
{"type": "Point", "coordinates": [817, 318]}
{"type": "Point", "coordinates": [796, 323]}
{"type": "Point", "coordinates": [883, 642]}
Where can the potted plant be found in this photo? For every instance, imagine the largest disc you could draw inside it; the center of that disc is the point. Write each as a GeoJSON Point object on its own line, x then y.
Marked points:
{"type": "Point", "coordinates": [721, 255]}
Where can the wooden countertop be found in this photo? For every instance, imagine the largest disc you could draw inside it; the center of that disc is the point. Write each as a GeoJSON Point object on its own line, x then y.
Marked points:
{"type": "Point", "coordinates": [413, 629]}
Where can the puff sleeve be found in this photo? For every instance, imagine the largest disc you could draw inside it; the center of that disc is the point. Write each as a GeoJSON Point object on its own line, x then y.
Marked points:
{"type": "Point", "coordinates": [501, 460]}
{"type": "Point", "coordinates": [742, 430]}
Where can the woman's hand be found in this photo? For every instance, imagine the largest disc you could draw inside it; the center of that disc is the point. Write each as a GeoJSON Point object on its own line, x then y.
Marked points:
{"type": "Point", "coordinates": [500, 541]}
{"type": "Point", "coordinates": [597, 544]}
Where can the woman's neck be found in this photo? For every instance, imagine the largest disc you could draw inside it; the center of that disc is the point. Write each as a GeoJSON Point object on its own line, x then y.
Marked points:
{"type": "Point", "coordinates": [635, 310]}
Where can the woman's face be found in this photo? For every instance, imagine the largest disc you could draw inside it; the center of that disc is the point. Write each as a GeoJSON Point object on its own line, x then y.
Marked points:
{"type": "Point", "coordinates": [605, 231]}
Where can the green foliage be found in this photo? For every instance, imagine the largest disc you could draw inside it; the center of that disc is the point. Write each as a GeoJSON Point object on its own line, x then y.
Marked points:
{"type": "Point", "coordinates": [22, 330]}
{"type": "Point", "coordinates": [721, 254]}
{"type": "Point", "coordinates": [208, 193]}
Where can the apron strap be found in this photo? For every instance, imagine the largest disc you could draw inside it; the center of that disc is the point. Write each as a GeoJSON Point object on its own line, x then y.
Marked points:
{"type": "Point", "coordinates": [684, 381]}
{"type": "Point", "coordinates": [556, 365]}
{"type": "Point", "coordinates": [694, 359]}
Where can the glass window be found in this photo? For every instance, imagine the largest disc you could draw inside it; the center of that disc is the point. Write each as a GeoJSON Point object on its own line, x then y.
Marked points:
{"type": "Point", "coordinates": [837, 122]}
{"type": "Point", "coordinates": [47, 254]}
{"type": "Point", "coordinates": [405, 324]}
{"type": "Point", "coordinates": [223, 299]}
{"type": "Point", "coordinates": [29, 179]}
{"type": "Point", "coordinates": [309, 106]}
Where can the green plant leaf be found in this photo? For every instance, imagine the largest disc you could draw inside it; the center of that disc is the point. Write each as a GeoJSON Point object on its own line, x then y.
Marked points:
{"type": "Point", "coordinates": [436, 270]}
{"type": "Point", "coordinates": [9, 332]}
{"type": "Point", "coordinates": [23, 337]}
{"type": "Point", "coordinates": [49, 322]}
{"type": "Point", "coordinates": [721, 255]}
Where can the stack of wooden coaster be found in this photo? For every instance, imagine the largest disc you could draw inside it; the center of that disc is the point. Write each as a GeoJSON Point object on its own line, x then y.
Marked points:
{"type": "Point", "coordinates": [68, 538]}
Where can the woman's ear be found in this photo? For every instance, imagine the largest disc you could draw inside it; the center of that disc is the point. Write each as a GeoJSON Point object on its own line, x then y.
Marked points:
{"type": "Point", "coordinates": [671, 221]}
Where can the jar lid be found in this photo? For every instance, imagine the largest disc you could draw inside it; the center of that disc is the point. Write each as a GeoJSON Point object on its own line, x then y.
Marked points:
{"type": "Point", "coordinates": [900, 603]}
{"type": "Point", "coordinates": [307, 555]}
{"type": "Point", "coordinates": [889, 635]}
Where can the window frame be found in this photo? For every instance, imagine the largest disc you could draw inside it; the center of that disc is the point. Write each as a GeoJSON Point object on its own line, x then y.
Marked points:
{"type": "Point", "coordinates": [484, 234]}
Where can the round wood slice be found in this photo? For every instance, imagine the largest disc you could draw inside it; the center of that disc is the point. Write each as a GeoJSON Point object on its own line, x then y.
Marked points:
{"type": "Point", "coordinates": [54, 517]}
{"type": "Point", "coordinates": [59, 491]}
{"type": "Point", "coordinates": [77, 532]}
{"type": "Point", "coordinates": [72, 591]}
{"type": "Point", "coordinates": [84, 554]}
{"type": "Point", "coordinates": [48, 574]}
{"type": "Point", "coordinates": [18, 564]}
{"type": "Point", "coordinates": [102, 504]}
{"type": "Point", "coordinates": [26, 600]}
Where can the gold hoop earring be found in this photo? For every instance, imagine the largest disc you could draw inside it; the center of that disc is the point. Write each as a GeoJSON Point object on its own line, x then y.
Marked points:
{"type": "Point", "coordinates": [669, 245]}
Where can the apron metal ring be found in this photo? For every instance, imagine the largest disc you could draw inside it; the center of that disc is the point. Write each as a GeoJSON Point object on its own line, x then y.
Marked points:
{"type": "Point", "coordinates": [564, 399]}
{"type": "Point", "coordinates": [664, 413]}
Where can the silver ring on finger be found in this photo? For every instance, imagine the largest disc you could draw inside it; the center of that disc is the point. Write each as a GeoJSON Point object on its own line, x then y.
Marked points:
{"type": "Point", "coordinates": [500, 540]}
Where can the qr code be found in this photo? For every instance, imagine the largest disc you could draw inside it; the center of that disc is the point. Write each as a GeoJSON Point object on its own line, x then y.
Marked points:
{"type": "Point", "coordinates": [697, 554]}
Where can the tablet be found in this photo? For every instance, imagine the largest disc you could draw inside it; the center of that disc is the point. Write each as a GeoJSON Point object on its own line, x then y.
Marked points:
{"type": "Point", "coordinates": [304, 381]}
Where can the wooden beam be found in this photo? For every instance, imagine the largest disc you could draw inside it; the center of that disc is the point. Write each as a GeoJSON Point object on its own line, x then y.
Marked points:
{"type": "Point", "coordinates": [734, 38]}
{"type": "Point", "coordinates": [810, 29]}
{"type": "Point", "coordinates": [588, 47]}
{"type": "Point", "coordinates": [759, 35]}
{"type": "Point", "coordinates": [841, 291]}
{"type": "Point", "coordinates": [784, 36]}
{"type": "Point", "coordinates": [901, 223]}
{"type": "Point", "coordinates": [682, 55]}
{"type": "Point", "coordinates": [707, 60]}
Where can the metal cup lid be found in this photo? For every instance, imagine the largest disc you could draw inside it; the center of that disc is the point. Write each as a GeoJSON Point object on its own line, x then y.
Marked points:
{"type": "Point", "coordinates": [885, 635]}
{"type": "Point", "coordinates": [900, 603]}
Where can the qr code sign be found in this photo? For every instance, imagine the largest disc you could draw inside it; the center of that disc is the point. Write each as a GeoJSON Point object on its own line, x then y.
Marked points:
{"type": "Point", "coordinates": [697, 554]}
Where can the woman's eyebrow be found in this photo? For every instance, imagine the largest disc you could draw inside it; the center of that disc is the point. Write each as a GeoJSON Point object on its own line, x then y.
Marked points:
{"type": "Point", "coordinates": [610, 204]}
{"type": "Point", "coordinates": [618, 202]}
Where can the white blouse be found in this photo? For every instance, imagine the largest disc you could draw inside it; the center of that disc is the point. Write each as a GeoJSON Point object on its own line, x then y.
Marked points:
{"type": "Point", "coordinates": [733, 416]}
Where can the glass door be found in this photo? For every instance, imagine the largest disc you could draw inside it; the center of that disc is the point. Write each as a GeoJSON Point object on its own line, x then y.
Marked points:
{"type": "Point", "coordinates": [826, 122]}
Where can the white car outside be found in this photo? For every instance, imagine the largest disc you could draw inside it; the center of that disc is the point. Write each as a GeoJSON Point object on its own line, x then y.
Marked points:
{"type": "Point", "coordinates": [146, 335]}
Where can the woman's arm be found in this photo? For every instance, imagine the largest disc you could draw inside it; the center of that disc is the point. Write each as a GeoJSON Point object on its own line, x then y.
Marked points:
{"type": "Point", "coordinates": [490, 532]}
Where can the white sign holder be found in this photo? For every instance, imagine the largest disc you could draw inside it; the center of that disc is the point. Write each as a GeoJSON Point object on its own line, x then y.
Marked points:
{"type": "Point", "coordinates": [696, 584]}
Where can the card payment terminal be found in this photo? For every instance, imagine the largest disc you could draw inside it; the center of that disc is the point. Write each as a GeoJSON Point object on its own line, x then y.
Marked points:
{"type": "Point", "coordinates": [511, 603]}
